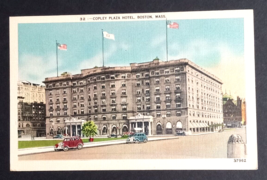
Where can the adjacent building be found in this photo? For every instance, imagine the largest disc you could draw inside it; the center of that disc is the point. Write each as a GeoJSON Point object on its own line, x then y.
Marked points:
{"type": "Point", "coordinates": [31, 119]}
{"type": "Point", "coordinates": [31, 109]}
{"type": "Point", "coordinates": [232, 111]}
{"type": "Point", "coordinates": [31, 92]}
{"type": "Point", "coordinates": [155, 97]}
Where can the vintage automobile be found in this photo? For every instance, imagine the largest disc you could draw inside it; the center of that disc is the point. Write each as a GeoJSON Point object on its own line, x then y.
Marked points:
{"type": "Point", "coordinates": [180, 133]}
{"type": "Point", "coordinates": [69, 143]}
{"type": "Point", "coordinates": [137, 138]}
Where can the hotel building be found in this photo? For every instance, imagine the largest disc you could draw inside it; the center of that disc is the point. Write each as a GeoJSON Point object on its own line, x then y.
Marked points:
{"type": "Point", "coordinates": [157, 97]}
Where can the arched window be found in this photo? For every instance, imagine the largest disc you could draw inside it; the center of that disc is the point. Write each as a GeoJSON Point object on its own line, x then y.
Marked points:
{"type": "Point", "coordinates": [159, 129]}
{"type": "Point", "coordinates": [179, 125]}
{"type": "Point", "coordinates": [104, 131]}
{"type": "Point", "coordinates": [27, 125]}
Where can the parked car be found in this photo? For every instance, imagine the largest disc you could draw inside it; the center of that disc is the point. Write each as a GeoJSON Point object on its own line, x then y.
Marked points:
{"type": "Point", "coordinates": [69, 143]}
{"type": "Point", "coordinates": [58, 136]}
{"type": "Point", "coordinates": [180, 133]}
{"type": "Point", "coordinates": [137, 138]}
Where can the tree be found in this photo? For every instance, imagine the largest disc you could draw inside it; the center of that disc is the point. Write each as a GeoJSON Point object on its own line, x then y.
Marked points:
{"type": "Point", "coordinates": [89, 129]}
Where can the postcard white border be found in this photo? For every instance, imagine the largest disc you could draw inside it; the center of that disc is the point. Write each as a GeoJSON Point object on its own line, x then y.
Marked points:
{"type": "Point", "coordinates": [145, 164]}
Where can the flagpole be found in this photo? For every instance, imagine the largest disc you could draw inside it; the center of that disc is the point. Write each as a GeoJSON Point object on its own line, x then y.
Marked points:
{"type": "Point", "coordinates": [102, 47]}
{"type": "Point", "coordinates": [57, 57]}
{"type": "Point", "coordinates": [166, 40]}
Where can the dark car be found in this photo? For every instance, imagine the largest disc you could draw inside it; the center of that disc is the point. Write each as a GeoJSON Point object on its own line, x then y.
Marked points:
{"type": "Point", "coordinates": [137, 138]}
{"type": "Point", "coordinates": [69, 143]}
{"type": "Point", "coordinates": [58, 136]}
{"type": "Point", "coordinates": [180, 133]}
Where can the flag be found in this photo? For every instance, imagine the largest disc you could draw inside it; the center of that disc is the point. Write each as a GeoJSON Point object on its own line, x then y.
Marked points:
{"type": "Point", "coordinates": [108, 36]}
{"type": "Point", "coordinates": [173, 25]}
{"type": "Point", "coordinates": [62, 46]}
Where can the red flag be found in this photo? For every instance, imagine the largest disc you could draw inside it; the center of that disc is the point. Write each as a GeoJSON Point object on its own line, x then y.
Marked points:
{"type": "Point", "coordinates": [62, 46]}
{"type": "Point", "coordinates": [173, 25]}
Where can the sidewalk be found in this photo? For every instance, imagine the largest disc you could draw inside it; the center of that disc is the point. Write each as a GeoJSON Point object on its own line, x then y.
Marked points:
{"type": "Point", "coordinates": [26, 151]}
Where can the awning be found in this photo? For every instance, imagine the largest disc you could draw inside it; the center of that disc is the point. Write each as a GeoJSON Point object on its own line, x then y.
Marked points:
{"type": "Point", "coordinates": [191, 125]}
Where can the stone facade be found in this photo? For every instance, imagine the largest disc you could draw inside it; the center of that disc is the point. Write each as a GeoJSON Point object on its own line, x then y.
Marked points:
{"type": "Point", "coordinates": [31, 119]}
{"type": "Point", "coordinates": [177, 94]}
{"type": "Point", "coordinates": [232, 113]}
{"type": "Point", "coordinates": [31, 92]}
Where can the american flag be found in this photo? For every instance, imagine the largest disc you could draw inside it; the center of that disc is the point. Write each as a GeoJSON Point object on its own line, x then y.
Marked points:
{"type": "Point", "coordinates": [62, 46]}
{"type": "Point", "coordinates": [173, 25]}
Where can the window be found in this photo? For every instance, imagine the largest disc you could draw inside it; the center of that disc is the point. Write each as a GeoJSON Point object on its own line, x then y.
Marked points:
{"type": "Point", "coordinates": [112, 93]}
{"type": "Point", "coordinates": [123, 84]}
{"type": "Point", "coordinates": [137, 75]}
{"type": "Point", "coordinates": [157, 89]}
{"type": "Point", "coordinates": [138, 99]}
{"type": "Point", "coordinates": [167, 71]}
{"type": "Point", "coordinates": [138, 108]}
{"type": "Point", "coordinates": [157, 81]}
{"type": "Point", "coordinates": [104, 118]}
{"type": "Point", "coordinates": [178, 87]}
{"type": "Point", "coordinates": [102, 78]}
{"type": "Point", "coordinates": [82, 105]}
{"type": "Point", "coordinates": [112, 85]}
{"type": "Point", "coordinates": [148, 107]}
{"type": "Point", "coordinates": [103, 94]}
{"type": "Point", "coordinates": [81, 90]}
{"type": "Point", "coordinates": [113, 117]}
{"type": "Point", "coordinates": [65, 91]}
{"type": "Point", "coordinates": [82, 98]}
{"type": "Point", "coordinates": [158, 115]}
{"type": "Point", "coordinates": [96, 110]}
{"type": "Point", "coordinates": [147, 99]}
{"type": "Point", "coordinates": [51, 113]}
{"type": "Point", "coordinates": [64, 99]}
{"type": "Point", "coordinates": [158, 106]}
{"type": "Point", "coordinates": [123, 76]}
{"type": "Point", "coordinates": [113, 101]}
{"type": "Point", "coordinates": [95, 102]}
{"type": "Point", "coordinates": [157, 98]}
{"type": "Point", "coordinates": [178, 113]}
{"type": "Point", "coordinates": [74, 83]}
{"type": "Point", "coordinates": [167, 80]}
{"type": "Point", "coordinates": [178, 105]}
{"type": "Point", "coordinates": [147, 83]}
{"type": "Point", "coordinates": [124, 108]}
{"type": "Point", "coordinates": [124, 116]}
{"type": "Point", "coordinates": [103, 101]}
{"type": "Point", "coordinates": [103, 86]}
{"type": "Point", "coordinates": [113, 108]}
{"type": "Point", "coordinates": [168, 114]}
{"type": "Point", "coordinates": [147, 91]}
{"type": "Point", "coordinates": [65, 113]}
{"type": "Point", "coordinates": [138, 84]}
{"type": "Point", "coordinates": [75, 113]}
{"type": "Point", "coordinates": [82, 111]}
{"type": "Point", "coordinates": [50, 93]}
{"type": "Point", "coordinates": [95, 117]}
{"type": "Point", "coordinates": [74, 105]}
{"type": "Point", "coordinates": [138, 92]}
{"type": "Point", "coordinates": [146, 75]}
{"type": "Point", "coordinates": [157, 73]}
{"type": "Point", "coordinates": [167, 88]}
{"type": "Point", "coordinates": [168, 105]}
{"type": "Point", "coordinates": [112, 77]}
{"type": "Point", "coordinates": [95, 95]}
{"type": "Point", "coordinates": [95, 87]}
{"type": "Point", "coordinates": [168, 97]}
{"type": "Point", "coordinates": [123, 92]}
{"type": "Point", "coordinates": [103, 109]}
{"type": "Point", "coordinates": [177, 70]}
{"type": "Point", "coordinates": [177, 79]}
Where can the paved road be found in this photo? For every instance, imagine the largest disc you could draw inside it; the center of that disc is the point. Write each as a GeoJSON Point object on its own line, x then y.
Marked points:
{"type": "Point", "coordinates": [203, 146]}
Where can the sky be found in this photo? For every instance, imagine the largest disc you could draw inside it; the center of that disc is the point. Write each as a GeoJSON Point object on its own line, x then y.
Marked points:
{"type": "Point", "coordinates": [216, 45]}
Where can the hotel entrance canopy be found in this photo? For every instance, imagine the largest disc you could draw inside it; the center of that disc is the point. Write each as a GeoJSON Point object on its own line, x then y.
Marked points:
{"type": "Point", "coordinates": [141, 118]}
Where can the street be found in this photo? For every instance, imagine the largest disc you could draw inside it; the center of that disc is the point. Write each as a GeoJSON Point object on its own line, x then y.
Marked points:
{"type": "Point", "coordinates": [213, 145]}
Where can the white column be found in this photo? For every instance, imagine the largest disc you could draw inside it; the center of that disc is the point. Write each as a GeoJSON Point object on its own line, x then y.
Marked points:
{"type": "Point", "coordinates": [70, 129]}
{"type": "Point", "coordinates": [76, 130]}
{"type": "Point", "coordinates": [143, 124]}
{"type": "Point", "coordinates": [136, 124]}
{"type": "Point", "coordinates": [130, 127]}
{"type": "Point", "coordinates": [149, 128]}
{"type": "Point", "coordinates": [66, 129]}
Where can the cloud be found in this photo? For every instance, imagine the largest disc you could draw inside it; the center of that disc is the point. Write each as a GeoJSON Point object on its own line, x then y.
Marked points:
{"type": "Point", "coordinates": [36, 68]}
{"type": "Point", "coordinates": [158, 41]}
{"type": "Point", "coordinates": [218, 59]}
{"type": "Point", "coordinates": [231, 70]}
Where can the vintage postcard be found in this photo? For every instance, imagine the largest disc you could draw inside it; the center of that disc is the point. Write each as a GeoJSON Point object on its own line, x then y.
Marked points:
{"type": "Point", "coordinates": [147, 91]}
